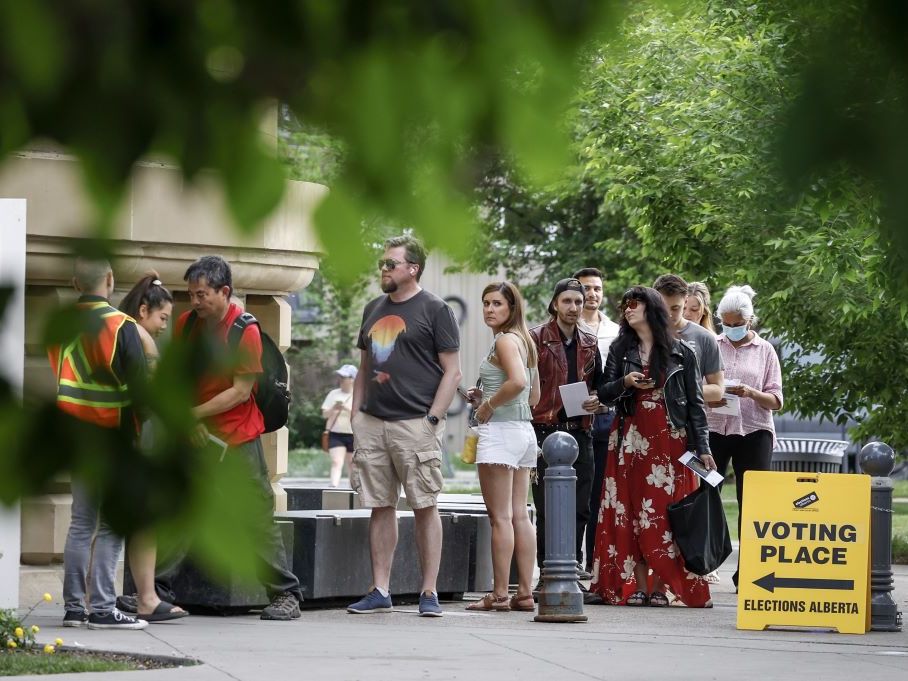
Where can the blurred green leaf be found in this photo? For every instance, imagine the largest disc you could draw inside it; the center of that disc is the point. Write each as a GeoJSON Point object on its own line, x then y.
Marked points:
{"type": "Point", "coordinates": [254, 182]}
{"type": "Point", "coordinates": [34, 43]}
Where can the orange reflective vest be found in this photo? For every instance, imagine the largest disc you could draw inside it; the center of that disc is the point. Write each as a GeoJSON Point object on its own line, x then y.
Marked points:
{"type": "Point", "coordinates": [87, 386]}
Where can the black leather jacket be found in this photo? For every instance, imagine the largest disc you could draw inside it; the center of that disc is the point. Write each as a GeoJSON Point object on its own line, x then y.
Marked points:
{"type": "Point", "coordinates": [683, 390]}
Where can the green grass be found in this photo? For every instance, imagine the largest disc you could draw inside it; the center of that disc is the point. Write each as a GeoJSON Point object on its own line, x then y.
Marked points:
{"type": "Point", "coordinates": [459, 465]}
{"type": "Point", "coordinates": [28, 662]}
{"type": "Point", "coordinates": [308, 463]}
{"type": "Point", "coordinates": [900, 549]}
{"type": "Point", "coordinates": [315, 463]}
{"type": "Point", "coordinates": [900, 489]}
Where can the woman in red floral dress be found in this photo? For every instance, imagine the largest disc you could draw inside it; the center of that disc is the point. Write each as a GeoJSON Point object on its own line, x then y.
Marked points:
{"type": "Point", "coordinates": [656, 383]}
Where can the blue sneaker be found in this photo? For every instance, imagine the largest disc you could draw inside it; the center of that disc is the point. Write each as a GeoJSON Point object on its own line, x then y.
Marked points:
{"type": "Point", "coordinates": [371, 602]}
{"type": "Point", "coordinates": [428, 605]}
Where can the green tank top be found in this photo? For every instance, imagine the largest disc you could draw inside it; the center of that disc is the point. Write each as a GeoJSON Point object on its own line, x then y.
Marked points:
{"type": "Point", "coordinates": [492, 377]}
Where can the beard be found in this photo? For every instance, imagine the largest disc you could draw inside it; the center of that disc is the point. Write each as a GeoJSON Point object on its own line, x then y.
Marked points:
{"type": "Point", "coordinates": [389, 286]}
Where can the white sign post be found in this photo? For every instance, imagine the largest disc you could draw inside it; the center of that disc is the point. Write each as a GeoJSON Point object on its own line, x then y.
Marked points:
{"type": "Point", "coordinates": [12, 365]}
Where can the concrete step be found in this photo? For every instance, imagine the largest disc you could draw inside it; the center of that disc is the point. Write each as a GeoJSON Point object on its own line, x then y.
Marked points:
{"type": "Point", "coordinates": [37, 580]}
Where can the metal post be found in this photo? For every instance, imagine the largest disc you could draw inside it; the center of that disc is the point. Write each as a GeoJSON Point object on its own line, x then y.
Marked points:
{"type": "Point", "coordinates": [560, 599]}
{"type": "Point", "coordinates": [877, 459]}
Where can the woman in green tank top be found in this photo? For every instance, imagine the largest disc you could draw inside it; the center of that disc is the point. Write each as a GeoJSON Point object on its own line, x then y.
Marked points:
{"type": "Point", "coordinates": [506, 451]}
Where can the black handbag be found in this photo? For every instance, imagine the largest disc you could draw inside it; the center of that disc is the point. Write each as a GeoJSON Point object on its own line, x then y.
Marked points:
{"type": "Point", "coordinates": [700, 529]}
{"type": "Point", "coordinates": [602, 425]}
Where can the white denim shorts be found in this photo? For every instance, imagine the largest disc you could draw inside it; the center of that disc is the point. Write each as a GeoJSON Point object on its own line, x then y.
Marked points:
{"type": "Point", "coordinates": [507, 443]}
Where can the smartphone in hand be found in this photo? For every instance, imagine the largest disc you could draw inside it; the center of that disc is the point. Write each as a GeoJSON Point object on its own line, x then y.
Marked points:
{"type": "Point", "coordinates": [463, 393]}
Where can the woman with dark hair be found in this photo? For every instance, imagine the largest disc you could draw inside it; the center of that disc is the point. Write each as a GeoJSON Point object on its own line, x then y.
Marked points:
{"type": "Point", "coordinates": [506, 451]}
{"type": "Point", "coordinates": [151, 305]}
{"type": "Point", "coordinates": [655, 381]}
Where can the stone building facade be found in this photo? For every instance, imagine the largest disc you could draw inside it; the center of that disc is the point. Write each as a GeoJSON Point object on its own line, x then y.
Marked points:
{"type": "Point", "coordinates": [163, 224]}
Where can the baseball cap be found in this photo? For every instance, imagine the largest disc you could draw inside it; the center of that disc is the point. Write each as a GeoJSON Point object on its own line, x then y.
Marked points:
{"type": "Point", "coordinates": [347, 371]}
{"type": "Point", "coordinates": [569, 284]}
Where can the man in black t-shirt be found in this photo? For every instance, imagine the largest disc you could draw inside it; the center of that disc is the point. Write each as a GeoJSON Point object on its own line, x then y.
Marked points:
{"type": "Point", "coordinates": [410, 369]}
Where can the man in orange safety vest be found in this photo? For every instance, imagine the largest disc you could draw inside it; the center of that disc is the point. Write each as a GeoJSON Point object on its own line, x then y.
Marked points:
{"type": "Point", "coordinates": [93, 371]}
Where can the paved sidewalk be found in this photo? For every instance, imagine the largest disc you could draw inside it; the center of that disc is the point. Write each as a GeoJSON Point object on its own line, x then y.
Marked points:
{"type": "Point", "coordinates": [617, 643]}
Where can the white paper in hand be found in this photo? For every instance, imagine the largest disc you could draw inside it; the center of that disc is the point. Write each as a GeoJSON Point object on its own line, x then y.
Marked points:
{"type": "Point", "coordinates": [219, 444]}
{"type": "Point", "coordinates": [573, 395]}
{"type": "Point", "coordinates": [732, 405]}
{"type": "Point", "coordinates": [693, 462]}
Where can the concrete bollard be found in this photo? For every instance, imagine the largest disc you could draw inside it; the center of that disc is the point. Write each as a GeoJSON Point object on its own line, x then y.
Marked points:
{"type": "Point", "coordinates": [560, 599]}
{"type": "Point", "coordinates": [877, 459]}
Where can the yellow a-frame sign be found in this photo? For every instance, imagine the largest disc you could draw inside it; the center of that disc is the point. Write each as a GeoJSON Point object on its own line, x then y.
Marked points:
{"type": "Point", "coordinates": [805, 551]}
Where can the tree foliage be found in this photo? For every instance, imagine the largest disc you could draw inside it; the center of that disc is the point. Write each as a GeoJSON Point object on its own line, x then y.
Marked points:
{"type": "Point", "coordinates": [676, 133]}
{"type": "Point", "coordinates": [407, 89]}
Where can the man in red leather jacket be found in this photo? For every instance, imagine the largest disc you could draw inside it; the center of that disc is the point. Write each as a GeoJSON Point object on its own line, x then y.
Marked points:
{"type": "Point", "coordinates": [567, 355]}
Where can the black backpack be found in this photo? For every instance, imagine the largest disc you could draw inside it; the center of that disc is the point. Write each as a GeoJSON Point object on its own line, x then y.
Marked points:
{"type": "Point", "coordinates": [272, 387]}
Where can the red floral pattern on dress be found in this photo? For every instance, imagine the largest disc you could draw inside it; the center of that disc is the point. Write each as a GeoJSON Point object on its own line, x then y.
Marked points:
{"type": "Point", "coordinates": [641, 480]}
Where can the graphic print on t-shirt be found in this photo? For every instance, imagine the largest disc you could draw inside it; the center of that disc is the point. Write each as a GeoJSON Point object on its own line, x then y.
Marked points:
{"type": "Point", "coordinates": [384, 335]}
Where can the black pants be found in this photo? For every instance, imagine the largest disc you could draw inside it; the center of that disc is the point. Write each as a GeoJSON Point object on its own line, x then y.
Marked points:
{"type": "Point", "coordinates": [751, 452]}
{"type": "Point", "coordinates": [602, 428]}
{"type": "Point", "coordinates": [274, 573]}
{"type": "Point", "coordinates": [584, 469]}
{"type": "Point", "coordinates": [600, 452]}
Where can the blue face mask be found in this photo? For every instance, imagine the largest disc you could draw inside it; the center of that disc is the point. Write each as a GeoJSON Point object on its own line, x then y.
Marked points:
{"type": "Point", "coordinates": [735, 333]}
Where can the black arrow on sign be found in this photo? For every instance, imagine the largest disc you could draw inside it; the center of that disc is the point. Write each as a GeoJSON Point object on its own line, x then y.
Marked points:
{"type": "Point", "coordinates": [770, 582]}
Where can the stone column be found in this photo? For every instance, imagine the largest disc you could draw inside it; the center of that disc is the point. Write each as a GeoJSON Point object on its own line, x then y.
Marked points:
{"type": "Point", "coordinates": [273, 314]}
{"type": "Point", "coordinates": [12, 338]}
{"type": "Point", "coordinates": [164, 224]}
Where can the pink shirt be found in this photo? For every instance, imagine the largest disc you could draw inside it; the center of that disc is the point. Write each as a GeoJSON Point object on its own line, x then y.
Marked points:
{"type": "Point", "coordinates": [755, 364]}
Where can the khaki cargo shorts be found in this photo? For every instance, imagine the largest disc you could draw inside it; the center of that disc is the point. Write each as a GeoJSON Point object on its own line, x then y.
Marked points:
{"type": "Point", "coordinates": [389, 454]}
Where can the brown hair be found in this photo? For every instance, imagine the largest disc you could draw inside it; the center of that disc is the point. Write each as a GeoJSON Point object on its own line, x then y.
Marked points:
{"type": "Point", "coordinates": [670, 285]}
{"type": "Point", "coordinates": [516, 322]}
{"type": "Point", "coordinates": [414, 251]}
{"type": "Point", "coordinates": [588, 272]}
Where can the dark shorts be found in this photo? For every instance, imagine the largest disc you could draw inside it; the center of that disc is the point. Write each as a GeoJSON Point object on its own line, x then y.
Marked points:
{"type": "Point", "coordinates": [340, 440]}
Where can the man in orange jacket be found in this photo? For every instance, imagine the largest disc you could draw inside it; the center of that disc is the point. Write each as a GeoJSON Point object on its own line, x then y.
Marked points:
{"type": "Point", "coordinates": [93, 372]}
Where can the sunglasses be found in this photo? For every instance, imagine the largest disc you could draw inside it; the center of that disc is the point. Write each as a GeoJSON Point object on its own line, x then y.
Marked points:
{"type": "Point", "coordinates": [390, 263]}
{"type": "Point", "coordinates": [630, 304]}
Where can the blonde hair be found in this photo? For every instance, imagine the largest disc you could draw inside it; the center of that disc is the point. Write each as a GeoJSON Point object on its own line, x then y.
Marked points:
{"type": "Point", "coordinates": [516, 322]}
{"type": "Point", "coordinates": [698, 290]}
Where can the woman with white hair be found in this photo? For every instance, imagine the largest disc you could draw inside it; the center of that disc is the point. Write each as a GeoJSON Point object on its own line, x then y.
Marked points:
{"type": "Point", "coordinates": [753, 374]}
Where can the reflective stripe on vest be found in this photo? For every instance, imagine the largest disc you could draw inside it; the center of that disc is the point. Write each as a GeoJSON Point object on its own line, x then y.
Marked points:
{"type": "Point", "coordinates": [84, 363]}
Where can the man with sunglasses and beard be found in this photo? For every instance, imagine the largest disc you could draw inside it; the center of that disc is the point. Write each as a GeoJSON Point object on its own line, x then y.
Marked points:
{"type": "Point", "coordinates": [409, 371]}
{"type": "Point", "coordinates": [567, 354]}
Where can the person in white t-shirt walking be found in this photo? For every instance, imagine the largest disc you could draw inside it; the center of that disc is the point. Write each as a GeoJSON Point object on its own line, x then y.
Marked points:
{"type": "Point", "coordinates": [336, 411]}
{"type": "Point", "coordinates": [593, 320]}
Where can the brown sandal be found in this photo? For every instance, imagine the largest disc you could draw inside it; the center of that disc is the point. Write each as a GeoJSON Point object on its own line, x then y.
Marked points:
{"type": "Point", "coordinates": [490, 602]}
{"type": "Point", "coordinates": [523, 603]}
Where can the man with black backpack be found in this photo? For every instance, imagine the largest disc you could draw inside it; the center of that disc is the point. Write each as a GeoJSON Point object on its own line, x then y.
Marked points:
{"type": "Point", "coordinates": [230, 404]}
